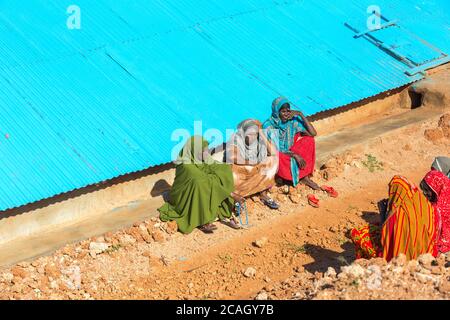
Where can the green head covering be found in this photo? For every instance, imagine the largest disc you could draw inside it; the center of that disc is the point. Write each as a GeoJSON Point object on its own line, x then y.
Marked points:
{"type": "Point", "coordinates": [201, 190]}
{"type": "Point", "coordinates": [192, 150]}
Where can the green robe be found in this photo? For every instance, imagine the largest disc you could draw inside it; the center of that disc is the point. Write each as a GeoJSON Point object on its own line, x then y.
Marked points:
{"type": "Point", "coordinates": [201, 192]}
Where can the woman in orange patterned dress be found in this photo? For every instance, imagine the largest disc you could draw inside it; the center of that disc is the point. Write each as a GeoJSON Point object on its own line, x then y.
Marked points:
{"type": "Point", "coordinates": [410, 226]}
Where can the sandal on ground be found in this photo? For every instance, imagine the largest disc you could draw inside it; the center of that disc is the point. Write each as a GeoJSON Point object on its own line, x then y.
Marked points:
{"type": "Point", "coordinates": [330, 190]}
{"type": "Point", "coordinates": [313, 201]}
{"type": "Point", "coordinates": [232, 223]}
{"type": "Point", "coordinates": [271, 204]}
{"type": "Point", "coordinates": [212, 226]}
{"type": "Point", "coordinates": [207, 228]}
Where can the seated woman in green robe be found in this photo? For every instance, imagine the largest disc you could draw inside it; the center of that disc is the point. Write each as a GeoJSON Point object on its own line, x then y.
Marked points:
{"type": "Point", "coordinates": [202, 190]}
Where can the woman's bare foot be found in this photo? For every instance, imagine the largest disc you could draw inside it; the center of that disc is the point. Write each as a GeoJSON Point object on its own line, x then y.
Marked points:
{"type": "Point", "coordinates": [308, 182]}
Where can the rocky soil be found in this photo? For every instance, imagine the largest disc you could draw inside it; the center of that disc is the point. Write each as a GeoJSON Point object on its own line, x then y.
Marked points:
{"type": "Point", "coordinates": [426, 278]}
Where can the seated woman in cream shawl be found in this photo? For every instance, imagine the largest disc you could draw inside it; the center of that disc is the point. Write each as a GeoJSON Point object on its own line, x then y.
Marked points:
{"type": "Point", "coordinates": [254, 161]}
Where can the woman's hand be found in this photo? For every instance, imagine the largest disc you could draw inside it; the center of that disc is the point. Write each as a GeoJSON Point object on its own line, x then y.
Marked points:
{"type": "Point", "coordinates": [238, 198]}
{"type": "Point", "coordinates": [301, 162]}
{"type": "Point", "coordinates": [296, 113]}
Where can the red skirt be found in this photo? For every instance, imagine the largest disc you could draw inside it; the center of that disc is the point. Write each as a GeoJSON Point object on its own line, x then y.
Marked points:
{"type": "Point", "coordinates": [305, 147]}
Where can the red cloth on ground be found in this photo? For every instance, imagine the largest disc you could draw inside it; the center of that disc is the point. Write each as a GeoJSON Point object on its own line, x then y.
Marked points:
{"type": "Point", "coordinates": [440, 184]}
{"type": "Point", "coordinates": [305, 146]}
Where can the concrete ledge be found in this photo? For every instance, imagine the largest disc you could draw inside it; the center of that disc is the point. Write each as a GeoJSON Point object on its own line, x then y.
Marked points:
{"type": "Point", "coordinates": [27, 221]}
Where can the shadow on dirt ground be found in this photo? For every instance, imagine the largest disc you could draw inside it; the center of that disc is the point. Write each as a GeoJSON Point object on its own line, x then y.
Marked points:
{"type": "Point", "coordinates": [324, 258]}
{"type": "Point", "coordinates": [371, 217]}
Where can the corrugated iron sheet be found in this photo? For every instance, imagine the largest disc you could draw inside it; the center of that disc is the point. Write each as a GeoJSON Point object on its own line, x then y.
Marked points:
{"type": "Point", "coordinates": [83, 106]}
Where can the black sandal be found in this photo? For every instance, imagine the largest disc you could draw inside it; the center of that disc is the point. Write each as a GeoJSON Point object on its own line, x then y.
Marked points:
{"type": "Point", "coordinates": [207, 228]}
{"type": "Point", "coordinates": [271, 204]}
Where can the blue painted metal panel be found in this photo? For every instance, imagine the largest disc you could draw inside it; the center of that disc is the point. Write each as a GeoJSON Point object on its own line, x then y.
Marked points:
{"type": "Point", "coordinates": [83, 106]}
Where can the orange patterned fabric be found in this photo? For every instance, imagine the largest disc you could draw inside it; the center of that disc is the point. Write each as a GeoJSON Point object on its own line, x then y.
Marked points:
{"type": "Point", "coordinates": [367, 241]}
{"type": "Point", "coordinates": [410, 226]}
{"type": "Point", "coordinates": [408, 229]}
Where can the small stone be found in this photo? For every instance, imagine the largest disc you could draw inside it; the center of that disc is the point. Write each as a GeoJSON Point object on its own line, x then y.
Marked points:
{"type": "Point", "coordinates": [158, 236]}
{"type": "Point", "coordinates": [354, 270]}
{"type": "Point", "coordinates": [54, 285]}
{"type": "Point", "coordinates": [441, 260]}
{"type": "Point", "coordinates": [424, 278]}
{"type": "Point", "coordinates": [136, 234]}
{"type": "Point", "coordinates": [444, 287]}
{"type": "Point", "coordinates": [330, 273]}
{"type": "Point", "coordinates": [412, 266]}
{"type": "Point", "coordinates": [295, 198]}
{"type": "Point", "coordinates": [126, 240]}
{"type": "Point", "coordinates": [398, 270]}
{"type": "Point", "coordinates": [426, 259]}
{"type": "Point", "coordinates": [144, 234]}
{"type": "Point", "coordinates": [7, 277]}
{"type": "Point", "coordinates": [19, 272]}
{"type": "Point", "coordinates": [262, 296]}
{"type": "Point", "coordinates": [98, 248]}
{"type": "Point", "coordinates": [261, 242]}
{"type": "Point", "coordinates": [362, 262]}
{"type": "Point", "coordinates": [172, 227]}
{"type": "Point", "coordinates": [433, 135]}
{"type": "Point", "coordinates": [74, 277]}
{"type": "Point", "coordinates": [374, 281]}
{"type": "Point", "coordinates": [250, 272]}
{"type": "Point", "coordinates": [400, 260]}
{"type": "Point", "coordinates": [436, 270]}
{"type": "Point", "coordinates": [51, 270]}
{"type": "Point", "coordinates": [378, 262]}
{"type": "Point", "coordinates": [444, 121]}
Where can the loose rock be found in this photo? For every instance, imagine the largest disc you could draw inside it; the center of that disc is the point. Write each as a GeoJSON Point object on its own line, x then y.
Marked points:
{"type": "Point", "coordinates": [250, 272]}
{"type": "Point", "coordinates": [260, 243]}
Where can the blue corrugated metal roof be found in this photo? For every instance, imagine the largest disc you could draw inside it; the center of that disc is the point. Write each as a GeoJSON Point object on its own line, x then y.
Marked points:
{"type": "Point", "coordinates": [83, 106]}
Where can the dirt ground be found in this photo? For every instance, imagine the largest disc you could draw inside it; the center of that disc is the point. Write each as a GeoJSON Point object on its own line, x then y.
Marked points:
{"type": "Point", "coordinates": [298, 252]}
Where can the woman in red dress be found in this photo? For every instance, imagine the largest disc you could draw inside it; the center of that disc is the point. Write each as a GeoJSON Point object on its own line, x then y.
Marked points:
{"type": "Point", "coordinates": [293, 135]}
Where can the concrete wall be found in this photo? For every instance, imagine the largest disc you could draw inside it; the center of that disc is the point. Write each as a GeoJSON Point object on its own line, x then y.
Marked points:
{"type": "Point", "coordinates": [28, 221]}
{"type": "Point", "coordinates": [398, 102]}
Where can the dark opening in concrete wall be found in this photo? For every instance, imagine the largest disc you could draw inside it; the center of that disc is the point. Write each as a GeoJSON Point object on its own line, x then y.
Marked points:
{"type": "Point", "coordinates": [416, 99]}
